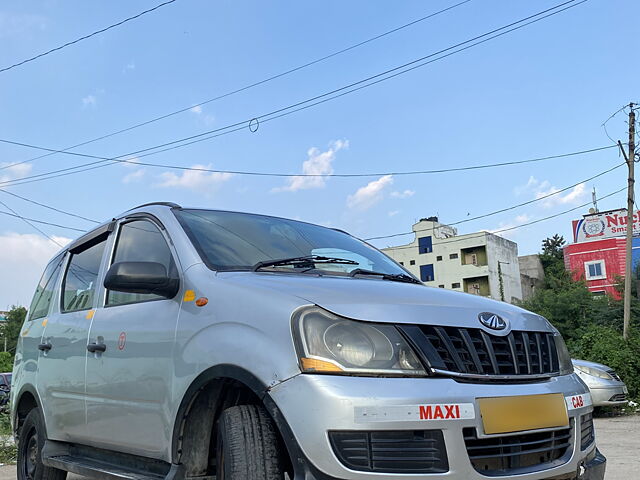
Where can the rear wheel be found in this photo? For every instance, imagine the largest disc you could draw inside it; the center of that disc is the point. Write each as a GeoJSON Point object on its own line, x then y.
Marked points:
{"type": "Point", "coordinates": [30, 443]}
{"type": "Point", "coordinates": [247, 445]}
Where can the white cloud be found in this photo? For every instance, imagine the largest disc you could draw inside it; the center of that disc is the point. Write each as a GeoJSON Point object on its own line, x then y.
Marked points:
{"type": "Point", "coordinates": [194, 179]}
{"type": "Point", "coordinates": [573, 196]}
{"type": "Point", "coordinates": [14, 172]}
{"type": "Point", "coordinates": [317, 163]}
{"type": "Point", "coordinates": [509, 226]}
{"type": "Point", "coordinates": [393, 213]}
{"type": "Point", "coordinates": [89, 101]}
{"type": "Point", "coordinates": [367, 196]}
{"type": "Point", "coordinates": [23, 258]}
{"type": "Point", "coordinates": [206, 118]}
{"type": "Point", "coordinates": [404, 194]}
{"type": "Point", "coordinates": [134, 176]}
{"type": "Point", "coordinates": [129, 67]}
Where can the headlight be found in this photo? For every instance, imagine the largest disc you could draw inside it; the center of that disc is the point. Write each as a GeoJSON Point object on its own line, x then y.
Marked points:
{"type": "Point", "coordinates": [564, 358]}
{"type": "Point", "coordinates": [327, 343]}
{"type": "Point", "coordinates": [594, 372]}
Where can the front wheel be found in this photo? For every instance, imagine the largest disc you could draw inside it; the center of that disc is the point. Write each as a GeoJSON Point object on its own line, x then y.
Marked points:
{"type": "Point", "coordinates": [30, 443]}
{"type": "Point", "coordinates": [247, 445]}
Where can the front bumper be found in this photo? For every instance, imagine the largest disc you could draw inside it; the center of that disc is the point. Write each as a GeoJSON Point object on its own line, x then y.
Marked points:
{"type": "Point", "coordinates": [601, 396]}
{"type": "Point", "coordinates": [313, 405]}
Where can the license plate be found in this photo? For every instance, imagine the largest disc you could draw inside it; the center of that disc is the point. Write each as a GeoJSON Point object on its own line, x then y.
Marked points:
{"type": "Point", "coordinates": [526, 412]}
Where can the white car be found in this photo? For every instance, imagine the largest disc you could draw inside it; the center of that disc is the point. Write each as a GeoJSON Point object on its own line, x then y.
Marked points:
{"type": "Point", "coordinates": [606, 387]}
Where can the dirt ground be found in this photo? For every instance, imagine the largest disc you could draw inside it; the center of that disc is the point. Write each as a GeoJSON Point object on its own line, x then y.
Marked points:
{"type": "Point", "coordinates": [618, 438]}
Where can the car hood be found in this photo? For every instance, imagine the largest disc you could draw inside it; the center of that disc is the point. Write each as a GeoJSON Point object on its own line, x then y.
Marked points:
{"type": "Point", "coordinates": [377, 300]}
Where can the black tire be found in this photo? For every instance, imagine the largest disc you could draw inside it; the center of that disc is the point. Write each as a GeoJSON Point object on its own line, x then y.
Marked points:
{"type": "Point", "coordinates": [247, 445]}
{"type": "Point", "coordinates": [30, 444]}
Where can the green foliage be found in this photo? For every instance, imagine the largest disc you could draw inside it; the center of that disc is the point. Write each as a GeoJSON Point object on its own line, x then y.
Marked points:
{"type": "Point", "coordinates": [591, 325]}
{"type": "Point", "coordinates": [605, 345]}
{"type": "Point", "coordinates": [6, 362]}
{"type": "Point", "coordinates": [552, 246]}
{"type": "Point", "coordinates": [11, 328]}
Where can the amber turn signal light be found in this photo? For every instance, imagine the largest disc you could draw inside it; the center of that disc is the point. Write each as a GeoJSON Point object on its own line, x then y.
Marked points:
{"type": "Point", "coordinates": [314, 365]}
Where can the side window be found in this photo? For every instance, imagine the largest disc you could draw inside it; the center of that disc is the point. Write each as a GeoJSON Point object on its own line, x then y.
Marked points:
{"type": "Point", "coordinates": [140, 241]}
{"type": "Point", "coordinates": [81, 278]}
{"type": "Point", "coordinates": [44, 291]}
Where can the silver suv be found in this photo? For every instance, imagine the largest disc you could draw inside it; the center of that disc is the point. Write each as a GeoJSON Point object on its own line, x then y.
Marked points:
{"type": "Point", "coordinates": [187, 343]}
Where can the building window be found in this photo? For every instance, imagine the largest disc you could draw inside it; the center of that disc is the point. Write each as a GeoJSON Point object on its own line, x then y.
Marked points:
{"type": "Point", "coordinates": [426, 273]}
{"type": "Point", "coordinates": [412, 262]}
{"type": "Point", "coordinates": [453, 256]}
{"type": "Point", "coordinates": [595, 270]}
{"type": "Point", "coordinates": [425, 245]}
{"type": "Point", "coordinates": [455, 285]}
{"type": "Point", "coordinates": [402, 263]}
{"type": "Point", "coordinates": [439, 258]}
{"type": "Point", "coordinates": [599, 293]}
{"type": "Point", "coordinates": [440, 286]}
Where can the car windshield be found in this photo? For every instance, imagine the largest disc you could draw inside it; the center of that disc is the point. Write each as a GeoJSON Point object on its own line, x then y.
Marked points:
{"type": "Point", "coordinates": [239, 241]}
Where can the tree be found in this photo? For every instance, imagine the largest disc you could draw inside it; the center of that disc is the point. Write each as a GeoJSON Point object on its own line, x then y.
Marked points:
{"type": "Point", "coordinates": [566, 303]}
{"type": "Point", "coordinates": [552, 246]}
{"type": "Point", "coordinates": [11, 328]}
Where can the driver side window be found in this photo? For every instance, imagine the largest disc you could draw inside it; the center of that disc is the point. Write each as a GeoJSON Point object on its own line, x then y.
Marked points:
{"type": "Point", "coordinates": [139, 241]}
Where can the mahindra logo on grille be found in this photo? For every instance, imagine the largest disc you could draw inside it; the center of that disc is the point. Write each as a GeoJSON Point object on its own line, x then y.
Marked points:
{"type": "Point", "coordinates": [492, 321]}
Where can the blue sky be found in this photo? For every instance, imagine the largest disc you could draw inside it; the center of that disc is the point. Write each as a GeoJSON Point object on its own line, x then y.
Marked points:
{"type": "Point", "coordinates": [543, 90]}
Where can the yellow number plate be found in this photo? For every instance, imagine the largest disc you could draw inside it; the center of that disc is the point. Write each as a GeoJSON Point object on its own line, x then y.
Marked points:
{"type": "Point", "coordinates": [527, 412]}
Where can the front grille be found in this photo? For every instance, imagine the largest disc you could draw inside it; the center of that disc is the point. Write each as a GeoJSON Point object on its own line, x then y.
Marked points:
{"type": "Point", "coordinates": [504, 455]}
{"type": "Point", "coordinates": [587, 434]}
{"type": "Point", "coordinates": [421, 451]}
{"type": "Point", "coordinates": [614, 375]}
{"type": "Point", "coordinates": [472, 351]}
{"type": "Point", "coordinates": [618, 397]}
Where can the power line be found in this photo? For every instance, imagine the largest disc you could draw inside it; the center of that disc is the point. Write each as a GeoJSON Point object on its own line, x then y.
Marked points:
{"type": "Point", "coordinates": [99, 164]}
{"type": "Point", "coordinates": [538, 199]}
{"type": "Point", "coordinates": [49, 206]}
{"type": "Point", "coordinates": [544, 197]}
{"type": "Point", "coordinates": [325, 97]}
{"type": "Point", "coordinates": [27, 219]}
{"type": "Point", "coordinates": [252, 85]}
{"type": "Point", "coordinates": [402, 247]}
{"type": "Point", "coordinates": [77, 40]}
{"type": "Point", "coordinates": [513, 207]}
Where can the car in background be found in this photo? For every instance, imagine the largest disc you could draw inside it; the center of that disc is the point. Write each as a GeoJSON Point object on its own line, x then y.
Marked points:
{"type": "Point", "coordinates": [606, 387]}
{"type": "Point", "coordinates": [5, 380]}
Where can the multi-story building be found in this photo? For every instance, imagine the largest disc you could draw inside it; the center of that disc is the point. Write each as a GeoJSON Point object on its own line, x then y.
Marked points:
{"type": "Point", "coordinates": [598, 253]}
{"type": "Point", "coordinates": [479, 263]}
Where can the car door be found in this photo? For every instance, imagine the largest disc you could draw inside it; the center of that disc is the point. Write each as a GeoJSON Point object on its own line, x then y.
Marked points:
{"type": "Point", "coordinates": [61, 366]}
{"type": "Point", "coordinates": [129, 384]}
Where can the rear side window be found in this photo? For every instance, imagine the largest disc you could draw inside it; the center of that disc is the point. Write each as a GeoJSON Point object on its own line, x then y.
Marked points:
{"type": "Point", "coordinates": [44, 292]}
{"type": "Point", "coordinates": [81, 278]}
{"type": "Point", "coordinates": [140, 241]}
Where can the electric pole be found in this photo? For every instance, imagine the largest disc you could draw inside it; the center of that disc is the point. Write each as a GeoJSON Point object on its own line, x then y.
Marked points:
{"type": "Point", "coordinates": [630, 159]}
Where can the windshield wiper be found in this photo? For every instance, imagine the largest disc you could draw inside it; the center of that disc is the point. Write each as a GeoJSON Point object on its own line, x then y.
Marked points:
{"type": "Point", "coordinates": [306, 260]}
{"type": "Point", "coordinates": [395, 277]}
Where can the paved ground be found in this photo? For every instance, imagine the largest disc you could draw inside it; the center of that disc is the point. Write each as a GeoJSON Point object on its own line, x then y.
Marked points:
{"type": "Point", "coordinates": [618, 438]}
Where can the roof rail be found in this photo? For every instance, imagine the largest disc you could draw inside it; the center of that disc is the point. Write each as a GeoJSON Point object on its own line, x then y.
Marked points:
{"type": "Point", "coordinates": [165, 204]}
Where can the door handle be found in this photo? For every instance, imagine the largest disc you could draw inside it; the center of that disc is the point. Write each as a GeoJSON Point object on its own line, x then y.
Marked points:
{"type": "Point", "coordinates": [96, 347]}
{"type": "Point", "coordinates": [45, 347]}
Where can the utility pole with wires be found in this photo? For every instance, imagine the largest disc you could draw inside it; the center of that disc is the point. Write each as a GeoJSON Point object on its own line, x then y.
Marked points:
{"type": "Point", "coordinates": [630, 159]}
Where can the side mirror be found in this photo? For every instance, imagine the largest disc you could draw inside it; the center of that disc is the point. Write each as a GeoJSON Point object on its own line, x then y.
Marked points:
{"type": "Point", "coordinates": [141, 277]}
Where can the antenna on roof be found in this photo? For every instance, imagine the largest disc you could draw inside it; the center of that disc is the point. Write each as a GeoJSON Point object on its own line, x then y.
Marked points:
{"type": "Point", "coordinates": [594, 199]}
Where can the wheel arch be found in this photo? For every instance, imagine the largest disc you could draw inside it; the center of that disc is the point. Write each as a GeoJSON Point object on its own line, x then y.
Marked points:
{"type": "Point", "coordinates": [213, 390]}
{"type": "Point", "coordinates": [25, 401]}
